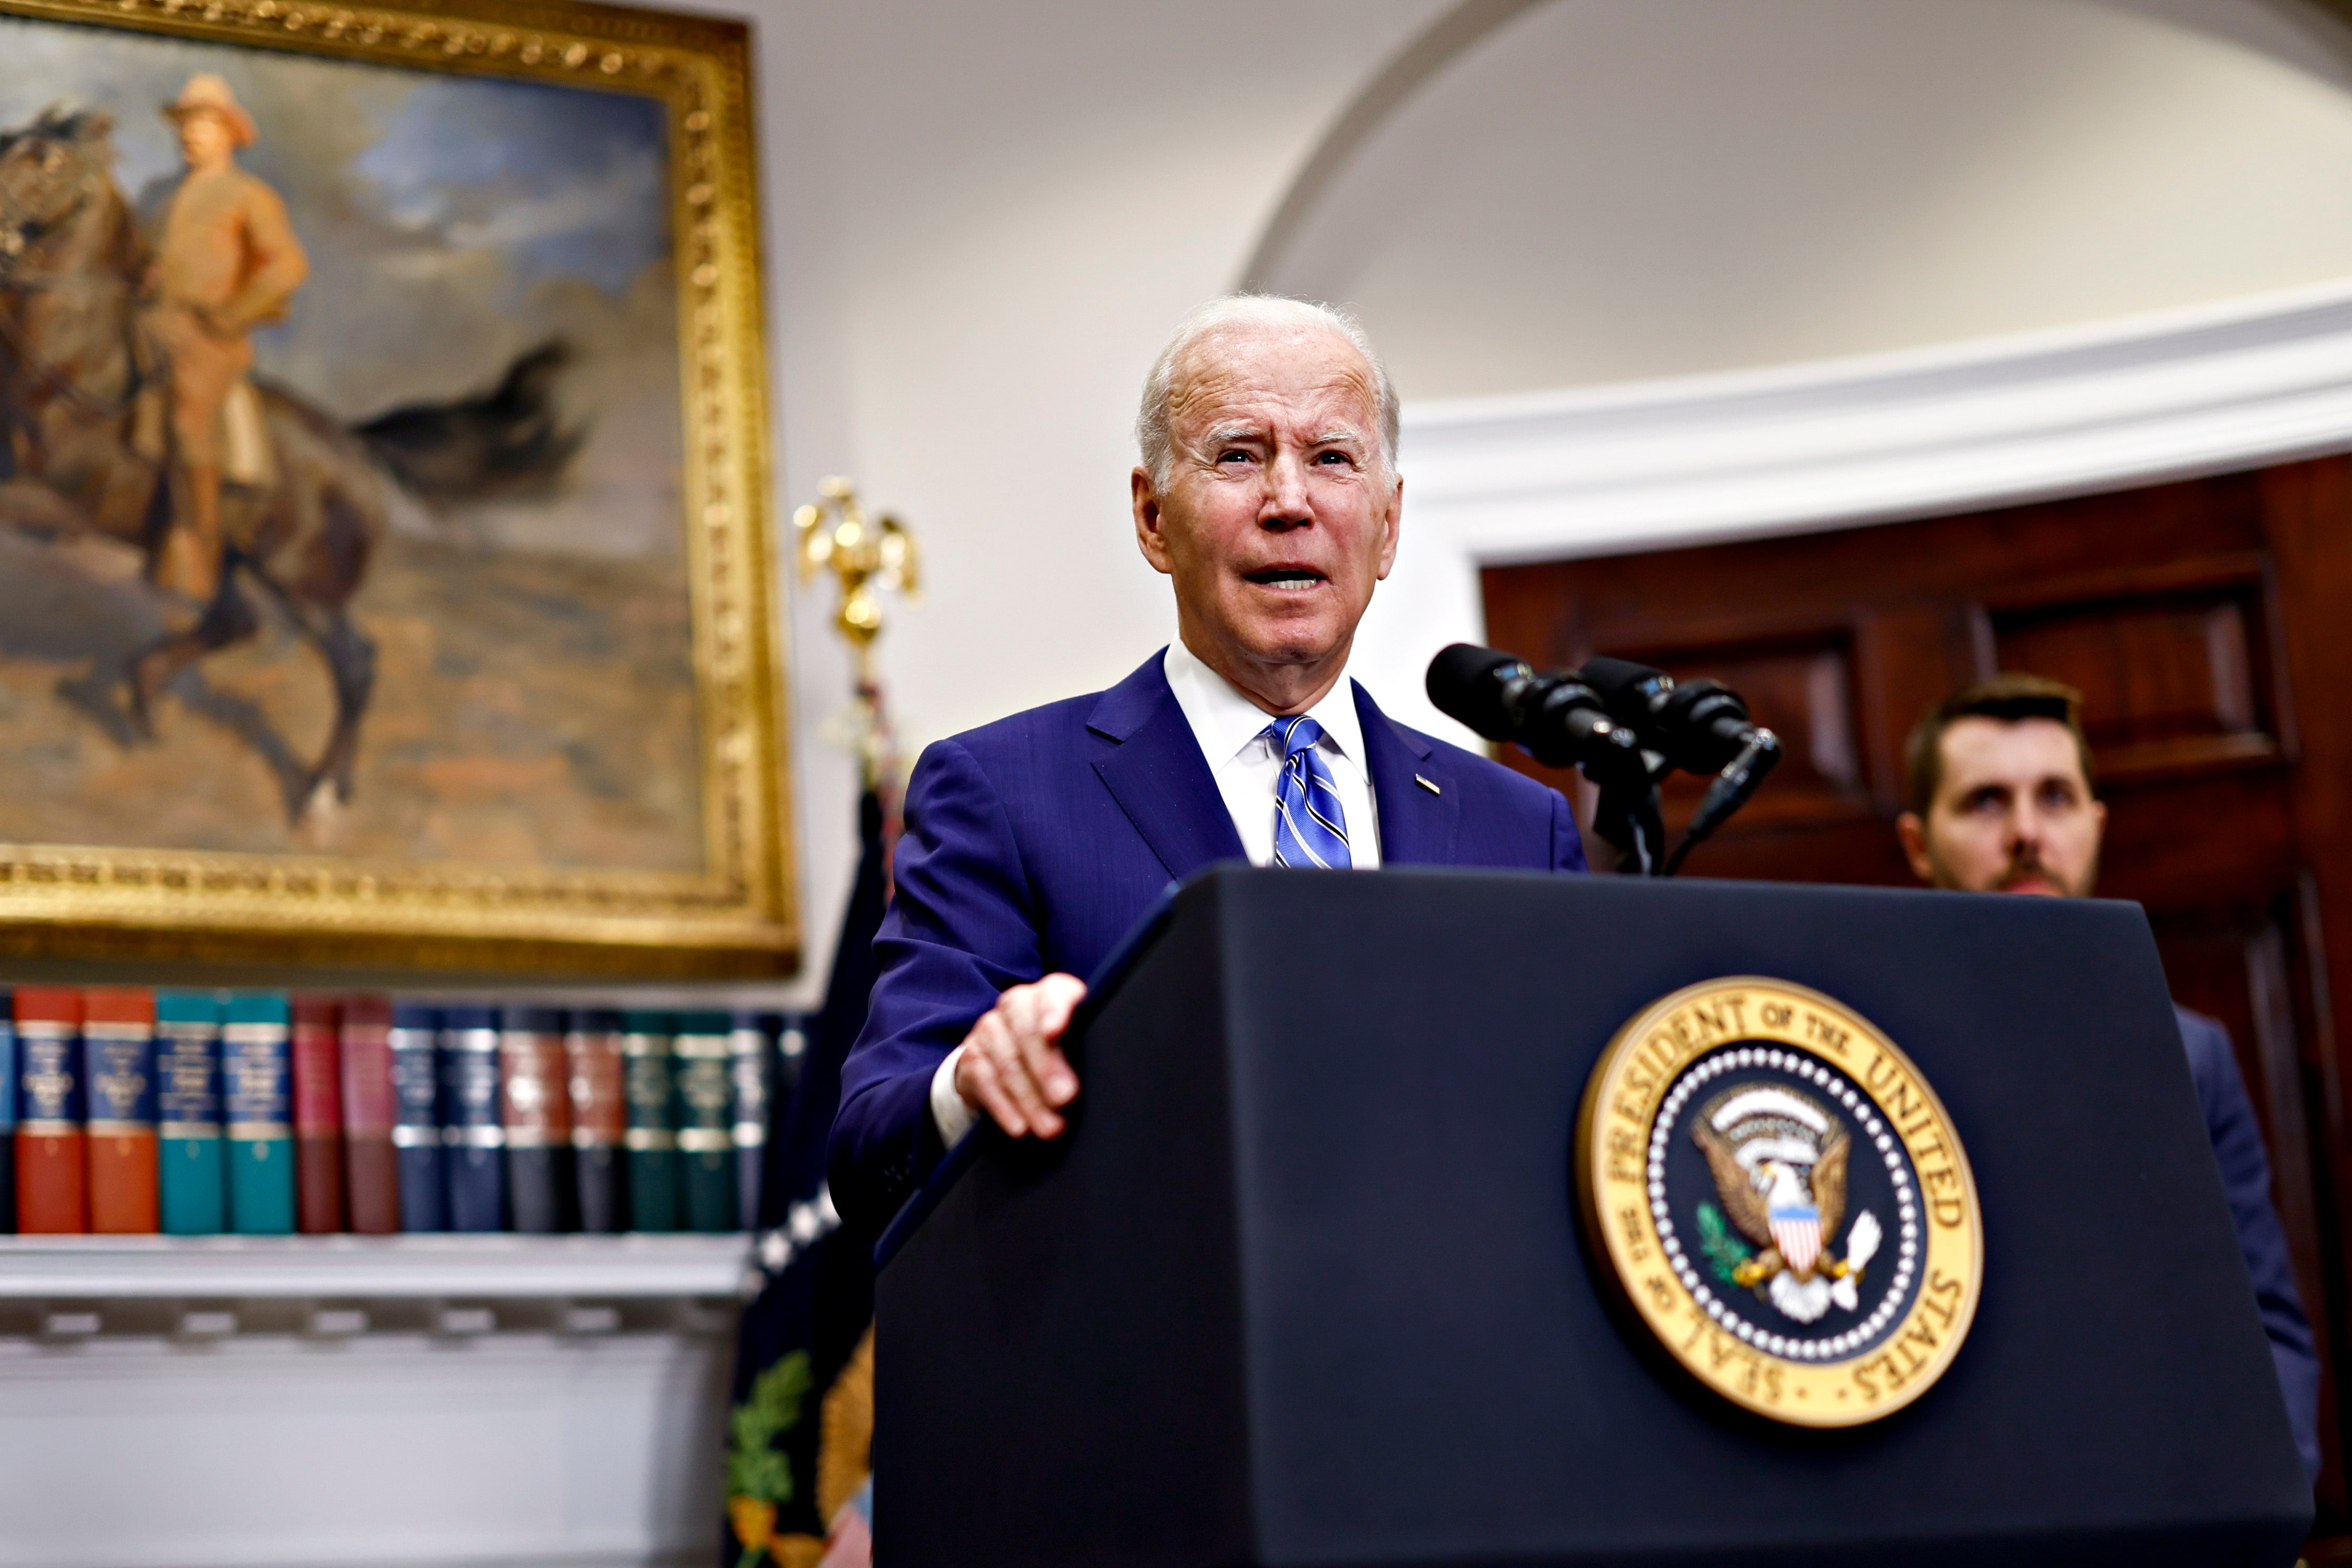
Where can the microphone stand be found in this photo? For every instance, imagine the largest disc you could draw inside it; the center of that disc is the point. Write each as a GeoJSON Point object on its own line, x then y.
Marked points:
{"type": "Point", "coordinates": [1627, 816]}
{"type": "Point", "coordinates": [1728, 794]}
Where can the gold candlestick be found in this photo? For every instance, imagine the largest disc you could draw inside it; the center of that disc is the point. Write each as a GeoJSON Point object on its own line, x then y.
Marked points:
{"type": "Point", "coordinates": [866, 558]}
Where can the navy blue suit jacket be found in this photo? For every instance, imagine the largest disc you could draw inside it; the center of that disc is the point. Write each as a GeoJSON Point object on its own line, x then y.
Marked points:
{"type": "Point", "coordinates": [2246, 1179]}
{"type": "Point", "coordinates": [1033, 843]}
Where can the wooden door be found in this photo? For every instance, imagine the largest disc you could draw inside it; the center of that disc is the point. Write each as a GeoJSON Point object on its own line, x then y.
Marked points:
{"type": "Point", "coordinates": [2208, 625]}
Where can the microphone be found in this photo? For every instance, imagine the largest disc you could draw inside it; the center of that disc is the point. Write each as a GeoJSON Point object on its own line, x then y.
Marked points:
{"type": "Point", "coordinates": [1699, 725]}
{"type": "Point", "coordinates": [1556, 717]}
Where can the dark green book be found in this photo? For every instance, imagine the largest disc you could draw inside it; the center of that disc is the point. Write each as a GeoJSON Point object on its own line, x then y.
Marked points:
{"type": "Point", "coordinates": [648, 1072]}
{"type": "Point", "coordinates": [703, 1049]}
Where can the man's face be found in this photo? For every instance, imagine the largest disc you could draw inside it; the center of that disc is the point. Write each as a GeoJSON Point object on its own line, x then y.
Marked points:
{"type": "Point", "coordinates": [204, 140]}
{"type": "Point", "coordinates": [2013, 814]}
{"type": "Point", "coordinates": [1278, 518]}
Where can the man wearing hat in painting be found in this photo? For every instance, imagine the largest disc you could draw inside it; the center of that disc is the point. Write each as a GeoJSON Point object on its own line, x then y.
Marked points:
{"type": "Point", "coordinates": [226, 261]}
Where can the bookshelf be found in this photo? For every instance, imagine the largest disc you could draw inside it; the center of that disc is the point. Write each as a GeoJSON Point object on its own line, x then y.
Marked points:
{"type": "Point", "coordinates": [474, 1396]}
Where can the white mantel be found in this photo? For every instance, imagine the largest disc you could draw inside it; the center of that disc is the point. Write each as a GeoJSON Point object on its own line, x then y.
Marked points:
{"type": "Point", "coordinates": [267, 1403]}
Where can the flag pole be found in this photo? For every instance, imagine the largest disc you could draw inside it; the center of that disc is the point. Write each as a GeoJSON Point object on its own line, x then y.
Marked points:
{"type": "Point", "coordinates": [800, 1423]}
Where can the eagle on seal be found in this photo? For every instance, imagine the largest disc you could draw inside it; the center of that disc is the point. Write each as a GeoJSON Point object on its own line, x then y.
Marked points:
{"type": "Point", "coordinates": [1780, 1164]}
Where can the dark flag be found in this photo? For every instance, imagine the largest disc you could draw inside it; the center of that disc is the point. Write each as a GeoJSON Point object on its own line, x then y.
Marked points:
{"type": "Point", "coordinates": [800, 1438]}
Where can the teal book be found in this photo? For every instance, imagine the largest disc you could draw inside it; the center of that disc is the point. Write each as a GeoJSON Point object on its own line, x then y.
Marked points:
{"type": "Point", "coordinates": [192, 1176]}
{"type": "Point", "coordinates": [650, 1083]}
{"type": "Point", "coordinates": [258, 1076]}
{"type": "Point", "coordinates": [703, 1052]}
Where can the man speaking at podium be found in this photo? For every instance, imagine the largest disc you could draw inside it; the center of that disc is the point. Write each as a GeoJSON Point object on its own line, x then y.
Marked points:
{"type": "Point", "coordinates": [2000, 790]}
{"type": "Point", "coordinates": [1267, 493]}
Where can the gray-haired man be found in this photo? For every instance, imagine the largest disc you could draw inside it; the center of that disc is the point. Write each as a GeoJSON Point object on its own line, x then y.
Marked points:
{"type": "Point", "coordinates": [1268, 494]}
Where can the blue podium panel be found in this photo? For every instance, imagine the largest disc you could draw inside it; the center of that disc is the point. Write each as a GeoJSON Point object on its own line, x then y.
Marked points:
{"type": "Point", "coordinates": [1304, 1284]}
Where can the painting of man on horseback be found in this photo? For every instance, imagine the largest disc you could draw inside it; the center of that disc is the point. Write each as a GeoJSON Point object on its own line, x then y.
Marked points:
{"type": "Point", "coordinates": [129, 384]}
{"type": "Point", "coordinates": [213, 522]}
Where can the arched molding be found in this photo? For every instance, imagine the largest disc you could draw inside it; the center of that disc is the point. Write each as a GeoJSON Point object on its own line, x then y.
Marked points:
{"type": "Point", "coordinates": [1437, 47]}
{"type": "Point", "coordinates": [1697, 459]}
{"type": "Point", "coordinates": [1470, 22]}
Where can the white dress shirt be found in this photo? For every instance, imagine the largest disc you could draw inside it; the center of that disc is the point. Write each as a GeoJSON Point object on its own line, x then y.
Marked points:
{"type": "Point", "coordinates": [1246, 762]}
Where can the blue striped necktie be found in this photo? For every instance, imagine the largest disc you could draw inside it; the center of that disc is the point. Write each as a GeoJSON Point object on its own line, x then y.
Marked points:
{"type": "Point", "coordinates": [1309, 826]}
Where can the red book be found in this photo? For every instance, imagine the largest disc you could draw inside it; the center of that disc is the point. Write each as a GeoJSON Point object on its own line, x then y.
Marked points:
{"type": "Point", "coordinates": [600, 1119]}
{"type": "Point", "coordinates": [370, 1166]}
{"type": "Point", "coordinates": [318, 1115]}
{"type": "Point", "coordinates": [537, 1111]}
{"type": "Point", "coordinates": [119, 1090]}
{"type": "Point", "coordinates": [52, 1174]}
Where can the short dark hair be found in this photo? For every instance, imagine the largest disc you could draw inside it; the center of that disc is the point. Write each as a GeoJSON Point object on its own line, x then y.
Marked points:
{"type": "Point", "coordinates": [2008, 697]}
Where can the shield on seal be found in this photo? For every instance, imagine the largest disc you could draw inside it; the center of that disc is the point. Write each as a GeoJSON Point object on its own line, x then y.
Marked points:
{"type": "Point", "coordinates": [1797, 1232]}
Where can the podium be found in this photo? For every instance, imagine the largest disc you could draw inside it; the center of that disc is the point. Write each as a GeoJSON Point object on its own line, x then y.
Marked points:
{"type": "Point", "coordinates": [1305, 1282]}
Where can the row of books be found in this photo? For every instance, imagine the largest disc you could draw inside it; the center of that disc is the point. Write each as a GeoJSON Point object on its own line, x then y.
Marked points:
{"type": "Point", "coordinates": [252, 1112]}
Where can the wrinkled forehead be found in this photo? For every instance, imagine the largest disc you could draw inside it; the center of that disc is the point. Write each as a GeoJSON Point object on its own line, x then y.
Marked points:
{"type": "Point", "coordinates": [1285, 372]}
{"type": "Point", "coordinates": [1979, 750]}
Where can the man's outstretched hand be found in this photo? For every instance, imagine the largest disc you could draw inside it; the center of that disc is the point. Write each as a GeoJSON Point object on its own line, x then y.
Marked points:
{"type": "Point", "coordinates": [1013, 1066]}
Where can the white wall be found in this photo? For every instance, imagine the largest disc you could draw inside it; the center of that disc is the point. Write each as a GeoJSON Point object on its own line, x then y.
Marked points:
{"type": "Point", "coordinates": [982, 221]}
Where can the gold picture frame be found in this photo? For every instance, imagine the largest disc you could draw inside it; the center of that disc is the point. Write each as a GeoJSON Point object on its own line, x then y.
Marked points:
{"type": "Point", "coordinates": [727, 906]}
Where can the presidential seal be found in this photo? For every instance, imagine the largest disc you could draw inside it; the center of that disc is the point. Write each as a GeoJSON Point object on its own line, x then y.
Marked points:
{"type": "Point", "coordinates": [1780, 1201]}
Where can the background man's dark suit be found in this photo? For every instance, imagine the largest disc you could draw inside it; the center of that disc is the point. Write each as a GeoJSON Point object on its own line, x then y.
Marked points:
{"type": "Point", "coordinates": [1033, 843]}
{"type": "Point", "coordinates": [2246, 1180]}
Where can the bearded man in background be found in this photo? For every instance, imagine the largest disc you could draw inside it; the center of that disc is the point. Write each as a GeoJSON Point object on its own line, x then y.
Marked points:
{"type": "Point", "coordinates": [2000, 799]}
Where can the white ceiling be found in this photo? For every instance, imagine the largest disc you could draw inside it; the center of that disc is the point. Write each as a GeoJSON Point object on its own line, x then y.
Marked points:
{"type": "Point", "coordinates": [1605, 190]}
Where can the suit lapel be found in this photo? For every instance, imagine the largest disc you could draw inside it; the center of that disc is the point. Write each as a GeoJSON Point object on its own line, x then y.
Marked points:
{"type": "Point", "coordinates": [1418, 824]}
{"type": "Point", "coordinates": [1157, 775]}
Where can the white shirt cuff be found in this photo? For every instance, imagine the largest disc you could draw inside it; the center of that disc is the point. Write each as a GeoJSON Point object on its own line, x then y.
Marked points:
{"type": "Point", "coordinates": [948, 1111]}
